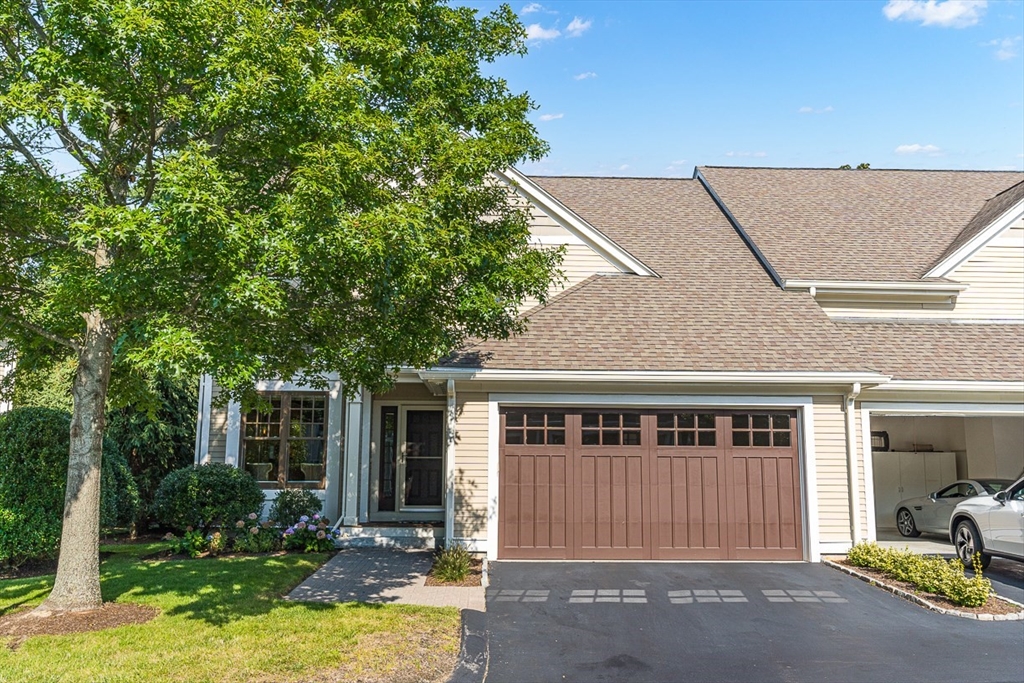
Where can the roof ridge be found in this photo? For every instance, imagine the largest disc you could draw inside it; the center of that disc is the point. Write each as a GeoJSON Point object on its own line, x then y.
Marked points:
{"type": "Point", "coordinates": [610, 177]}
{"type": "Point", "coordinates": [1002, 192]}
{"type": "Point", "coordinates": [901, 170]}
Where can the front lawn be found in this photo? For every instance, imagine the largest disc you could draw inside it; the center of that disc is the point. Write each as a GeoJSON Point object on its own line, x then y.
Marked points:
{"type": "Point", "coordinates": [223, 619]}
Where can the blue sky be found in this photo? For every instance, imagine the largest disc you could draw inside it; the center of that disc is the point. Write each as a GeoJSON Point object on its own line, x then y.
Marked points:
{"type": "Point", "coordinates": [655, 88]}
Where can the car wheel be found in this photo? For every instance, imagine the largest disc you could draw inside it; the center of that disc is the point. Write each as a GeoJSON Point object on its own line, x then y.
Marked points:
{"type": "Point", "coordinates": [968, 542]}
{"type": "Point", "coordinates": [905, 524]}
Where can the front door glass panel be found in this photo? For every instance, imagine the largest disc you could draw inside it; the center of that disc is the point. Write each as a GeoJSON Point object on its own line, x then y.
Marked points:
{"type": "Point", "coordinates": [424, 458]}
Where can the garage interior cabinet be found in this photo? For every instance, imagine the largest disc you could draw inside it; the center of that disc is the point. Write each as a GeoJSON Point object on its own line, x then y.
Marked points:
{"type": "Point", "coordinates": [899, 475]}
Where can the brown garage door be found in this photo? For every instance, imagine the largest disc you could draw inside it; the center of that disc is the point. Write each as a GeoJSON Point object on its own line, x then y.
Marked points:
{"type": "Point", "coordinates": [627, 484]}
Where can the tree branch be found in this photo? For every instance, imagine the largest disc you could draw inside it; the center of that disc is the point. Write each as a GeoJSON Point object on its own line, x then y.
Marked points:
{"type": "Point", "coordinates": [42, 332]}
{"type": "Point", "coordinates": [25, 152]}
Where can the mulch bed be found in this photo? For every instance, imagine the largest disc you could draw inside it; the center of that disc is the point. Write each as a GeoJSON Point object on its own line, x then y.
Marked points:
{"type": "Point", "coordinates": [36, 568]}
{"type": "Point", "coordinates": [994, 605]}
{"type": "Point", "coordinates": [29, 569]}
{"type": "Point", "coordinates": [473, 578]}
{"type": "Point", "coordinates": [20, 626]}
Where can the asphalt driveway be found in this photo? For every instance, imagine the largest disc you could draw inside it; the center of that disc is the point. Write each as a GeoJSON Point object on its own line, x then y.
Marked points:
{"type": "Point", "coordinates": [610, 621]}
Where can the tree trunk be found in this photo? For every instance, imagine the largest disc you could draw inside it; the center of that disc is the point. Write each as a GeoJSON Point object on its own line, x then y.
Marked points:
{"type": "Point", "coordinates": [77, 586]}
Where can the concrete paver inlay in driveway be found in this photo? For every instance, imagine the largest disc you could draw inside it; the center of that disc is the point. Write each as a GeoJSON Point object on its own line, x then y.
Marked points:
{"type": "Point", "coordinates": [727, 622]}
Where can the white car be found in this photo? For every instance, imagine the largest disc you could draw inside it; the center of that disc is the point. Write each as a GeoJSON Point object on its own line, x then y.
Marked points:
{"type": "Point", "coordinates": [990, 525]}
{"type": "Point", "coordinates": [931, 513]}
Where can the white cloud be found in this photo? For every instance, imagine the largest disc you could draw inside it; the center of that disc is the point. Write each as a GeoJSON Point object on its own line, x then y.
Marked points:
{"type": "Point", "coordinates": [550, 117]}
{"type": "Point", "coordinates": [927, 150]}
{"type": "Point", "coordinates": [1006, 48]}
{"type": "Point", "coordinates": [812, 110]}
{"type": "Point", "coordinates": [949, 14]}
{"type": "Point", "coordinates": [624, 167]}
{"type": "Point", "coordinates": [577, 26]}
{"type": "Point", "coordinates": [538, 32]}
{"type": "Point", "coordinates": [584, 76]}
{"type": "Point", "coordinates": [531, 8]}
{"type": "Point", "coordinates": [758, 155]}
{"type": "Point", "coordinates": [676, 167]}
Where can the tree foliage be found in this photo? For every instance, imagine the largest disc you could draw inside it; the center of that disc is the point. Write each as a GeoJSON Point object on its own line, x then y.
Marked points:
{"type": "Point", "coordinates": [33, 470]}
{"type": "Point", "coordinates": [252, 188]}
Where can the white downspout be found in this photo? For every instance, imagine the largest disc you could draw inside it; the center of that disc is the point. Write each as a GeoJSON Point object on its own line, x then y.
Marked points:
{"type": "Point", "coordinates": [449, 461]}
{"type": "Point", "coordinates": [851, 460]}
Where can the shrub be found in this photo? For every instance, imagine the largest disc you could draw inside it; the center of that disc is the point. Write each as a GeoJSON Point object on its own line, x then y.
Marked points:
{"type": "Point", "coordinates": [34, 444]}
{"type": "Point", "coordinates": [310, 535]}
{"type": "Point", "coordinates": [205, 496]}
{"type": "Point", "coordinates": [192, 543]}
{"type": "Point", "coordinates": [452, 564]}
{"type": "Point", "coordinates": [929, 574]}
{"type": "Point", "coordinates": [253, 536]}
{"type": "Point", "coordinates": [291, 504]}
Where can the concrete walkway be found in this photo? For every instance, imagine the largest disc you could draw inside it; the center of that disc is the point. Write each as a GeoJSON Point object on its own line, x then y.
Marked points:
{"type": "Point", "coordinates": [383, 575]}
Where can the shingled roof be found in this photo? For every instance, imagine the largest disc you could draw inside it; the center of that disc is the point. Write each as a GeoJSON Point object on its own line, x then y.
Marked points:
{"type": "Point", "coordinates": [940, 351]}
{"type": "Point", "coordinates": [989, 213]}
{"type": "Point", "coordinates": [712, 308]}
{"type": "Point", "coordinates": [825, 224]}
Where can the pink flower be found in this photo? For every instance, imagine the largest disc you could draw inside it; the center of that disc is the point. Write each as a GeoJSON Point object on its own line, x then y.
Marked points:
{"type": "Point", "coordinates": [255, 530]}
{"type": "Point", "coordinates": [240, 523]}
{"type": "Point", "coordinates": [300, 525]}
{"type": "Point", "coordinates": [321, 535]}
{"type": "Point", "coordinates": [252, 515]}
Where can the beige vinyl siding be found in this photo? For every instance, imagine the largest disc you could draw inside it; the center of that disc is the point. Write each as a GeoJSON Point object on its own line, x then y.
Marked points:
{"type": "Point", "coordinates": [471, 489]}
{"type": "Point", "coordinates": [218, 426]}
{"type": "Point", "coordinates": [831, 472]}
{"type": "Point", "coordinates": [862, 500]}
{"type": "Point", "coordinates": [407, 391]}
{"type": "Point", "coordinates": [578, 262]}
{"type": "Point", "coordinates": [995, 279]}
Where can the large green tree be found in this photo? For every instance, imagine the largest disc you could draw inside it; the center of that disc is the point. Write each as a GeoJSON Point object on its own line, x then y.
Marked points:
{"type": "Point", "coordinates": [251, 188]}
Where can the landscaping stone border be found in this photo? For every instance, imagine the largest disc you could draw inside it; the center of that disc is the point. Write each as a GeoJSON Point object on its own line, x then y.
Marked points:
{"type": "Point", "coordinates": [907, 595]}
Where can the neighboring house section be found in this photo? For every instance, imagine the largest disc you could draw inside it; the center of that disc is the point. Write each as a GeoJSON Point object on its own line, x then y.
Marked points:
{"type": "Point", "coordinates": [729, 363]}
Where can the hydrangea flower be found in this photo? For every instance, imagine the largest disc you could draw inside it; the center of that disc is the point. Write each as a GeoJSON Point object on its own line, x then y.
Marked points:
{"type": "Point", "coordinates": [240, 523]}
{"type": "Point", "coordinates": [255, 530]}
{"type": "Point", "coordinates": [301, 525]}
{"type": "Point", "coordinates": [321, 535]}
{"type": "Point", "coordinates": [252, 515]}
{"type": "Point", "coordinates": [316, 516]}
{"type": "Point", "coordinates": [304, 518]}
{"type": "Point", "coordinates": [289, 531]}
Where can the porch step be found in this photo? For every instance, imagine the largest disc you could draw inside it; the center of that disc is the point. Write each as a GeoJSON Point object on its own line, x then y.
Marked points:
{"type": "Point", "coordinates": [419, 537]}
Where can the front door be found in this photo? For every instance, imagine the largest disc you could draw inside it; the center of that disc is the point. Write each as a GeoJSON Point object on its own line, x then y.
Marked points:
{"type": "Point", "coordinates": [423, 459]}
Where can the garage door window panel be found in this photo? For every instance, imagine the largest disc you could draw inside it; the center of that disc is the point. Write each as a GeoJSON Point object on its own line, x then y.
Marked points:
{"type": "Point", "coordinates": [610, 429]}
{"type": "Point", "coordinates": [535, 428]}
{"type": "Point", "coordinates": [760, 430]}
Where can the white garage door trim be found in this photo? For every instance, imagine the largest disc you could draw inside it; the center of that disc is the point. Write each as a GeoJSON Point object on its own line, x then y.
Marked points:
{"type": "Point", "coordinates": [803, 404]}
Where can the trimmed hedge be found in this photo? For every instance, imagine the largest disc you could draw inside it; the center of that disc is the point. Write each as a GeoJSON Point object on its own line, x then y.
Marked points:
{"type": "Point", "coordinates": [929, 574]}
{"type": "Point", "coordinates": [34, 445]}
{"type": "Point", "coordinates": [205, 496]}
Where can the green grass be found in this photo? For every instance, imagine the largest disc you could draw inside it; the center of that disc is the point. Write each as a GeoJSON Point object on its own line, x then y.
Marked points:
{"type": "Point", "coordinates": [224, 620]}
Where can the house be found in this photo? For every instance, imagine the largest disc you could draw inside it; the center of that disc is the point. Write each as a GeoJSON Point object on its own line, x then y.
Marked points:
{"type": "Point", "coordinates": [748, 364]}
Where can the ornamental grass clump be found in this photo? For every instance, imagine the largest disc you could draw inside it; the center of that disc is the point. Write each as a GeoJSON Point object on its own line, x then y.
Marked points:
{"type": "Point", "coordinates": [310, 535]}
{"type": "Point", "coordinates": [928, 574]}
{"type": "Point", "coordinates": [452, 564]}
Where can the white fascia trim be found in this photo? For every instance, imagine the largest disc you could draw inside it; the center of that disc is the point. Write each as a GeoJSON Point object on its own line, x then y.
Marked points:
{"type": "Point", "coordinates": [951, 262]}
{"type": "Point", "coordinates": [653, 377]}
{"type": "Point", "coordinates": [951, 386]}
{"type": "Point", "coordinates": [948, 409]}
{"type": "Point", "coordinates": [615, 254]}
{"type": "Point", "coordinates": [879, 287]}
{"type": "Point", "coordinates": [493, 434]}
{"type": "Point", "coordinates": [333, 384]}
